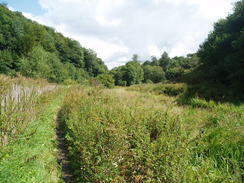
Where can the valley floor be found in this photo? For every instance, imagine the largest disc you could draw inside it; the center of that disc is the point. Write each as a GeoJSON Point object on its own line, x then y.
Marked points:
{"type": "Point", "coordinates": [131, 135]}
{"type": "Point", "coordinates": [128, 134]}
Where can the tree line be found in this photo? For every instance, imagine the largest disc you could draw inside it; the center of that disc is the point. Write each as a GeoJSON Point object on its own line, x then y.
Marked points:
{"type": "Point", "coordinates": [154, 70]}
{"type": "Point", "coordinates": [216, 70]}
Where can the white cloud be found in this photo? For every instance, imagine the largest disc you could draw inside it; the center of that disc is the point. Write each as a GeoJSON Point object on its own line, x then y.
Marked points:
{"type": "Point", "coordinates": [103, 48]}
{"type": "Point", "coordinates": [105, 22]}
{"type": "Point", "coordinates": [11, 8]}
{"type": "Point", "coordinates": [116, 29]}
{"type": "Point", "coordinates": [154, 50]}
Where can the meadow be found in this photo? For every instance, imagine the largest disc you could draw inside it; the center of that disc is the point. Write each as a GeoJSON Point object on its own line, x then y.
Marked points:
{"type": "Point", "coordinates": [143, 133]}
{"type": "Point", "coordinates": [152, 133]}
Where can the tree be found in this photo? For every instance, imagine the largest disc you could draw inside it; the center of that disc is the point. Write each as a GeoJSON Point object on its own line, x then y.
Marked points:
{"type": "Point", "coordinates": [154, 61]}
{"type": "Point", "coordinates": [93, 65]}
{"type": "Point", "coordinates": [59, 72]}
{"type": "Point", "coordinates": [133, 73]}
{"type": "Point", "coordinates": [164, 61]}
{"type": "Point", "coordinates": [221, 55]}
{"type": "Point", "coordinates": [6, 62]}
{"type": "Point", "coordinates": [119, 75]}
{"type": "Point", "coordinates": [36, 64]}
{"type": "Point", "coordinates": [135, 58]}
{"type": "Point", "coordinates": [129, 74]}
{"type": "Point", "coordinates": [153, 73]}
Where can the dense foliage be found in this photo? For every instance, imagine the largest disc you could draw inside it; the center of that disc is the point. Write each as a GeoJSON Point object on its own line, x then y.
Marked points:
{"type": "Point", "coordinates": [129, 74]}
{"type": "Point", "coordinates": [221, 68]}
{"type": "Point", "coordinates": [174, 68]}
{"type": "Point", "coordinates": [34, 50]}
{"type": "Point", "coordinates": [123, 136]}
{"type": "Point", "coordinates": [155, 70]}
{"type": "Point", "coordinates": [106, 80]}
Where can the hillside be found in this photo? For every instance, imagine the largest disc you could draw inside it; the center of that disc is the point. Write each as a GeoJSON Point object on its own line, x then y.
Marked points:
{"type": "Point", "coordinates": [38, 51]}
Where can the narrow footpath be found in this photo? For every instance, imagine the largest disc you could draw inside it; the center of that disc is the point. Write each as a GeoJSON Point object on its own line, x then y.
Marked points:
{"type": "Point", "coordinates": [67, 173]}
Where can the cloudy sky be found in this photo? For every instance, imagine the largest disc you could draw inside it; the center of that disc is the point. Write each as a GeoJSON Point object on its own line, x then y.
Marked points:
{"type": "Point", "coordinates": [116, 29]}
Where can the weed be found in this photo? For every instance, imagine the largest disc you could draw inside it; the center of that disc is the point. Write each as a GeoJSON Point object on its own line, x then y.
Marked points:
{"type": "Point", "coordinates": [132, 137]}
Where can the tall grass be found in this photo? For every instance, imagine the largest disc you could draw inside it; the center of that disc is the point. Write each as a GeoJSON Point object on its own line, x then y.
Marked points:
{"type": "Point", "coordinates": [32, 157]}
{"type": "Point", "coordinates": [166, 89]}
{"type": "Point", "coordinates": [114, 138]}
{"type": "Point", "coordinates": [20, 101]}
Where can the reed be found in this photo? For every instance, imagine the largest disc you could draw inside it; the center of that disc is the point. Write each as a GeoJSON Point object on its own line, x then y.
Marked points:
{"type": "Point", "coordinates": [19, 104]}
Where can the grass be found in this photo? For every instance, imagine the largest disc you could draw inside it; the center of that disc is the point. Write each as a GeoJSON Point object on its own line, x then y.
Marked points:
{"type": "Point", "coordinates": [144, 133]}
{"type": "Point", "coordinates": [32, 157]}
{"type": "Point", "coordinates": [21, 100]}
{"type": "Point", "coordinates": [129, 135]}
{"type": "Point", "coordinates": [166, 89]}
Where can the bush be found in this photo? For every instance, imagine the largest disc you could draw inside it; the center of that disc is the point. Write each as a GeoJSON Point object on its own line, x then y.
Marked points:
{"type": "Point", "coordinates": [107, 80]}
{"type": "Point", "coordinates": [170, 89]}
{"type": "Point", "coordinates": [69, 82]}
{"type": "Point", "coordinates": [148, 81]}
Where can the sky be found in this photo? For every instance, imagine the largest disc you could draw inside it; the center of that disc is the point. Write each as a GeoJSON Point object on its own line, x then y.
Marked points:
{"type": "Point", "coordinates": [117, 29]}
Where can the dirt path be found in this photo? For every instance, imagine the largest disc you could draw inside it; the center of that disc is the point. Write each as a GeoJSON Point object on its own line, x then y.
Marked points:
{"type": "Point", "coordinates": [63, 153]}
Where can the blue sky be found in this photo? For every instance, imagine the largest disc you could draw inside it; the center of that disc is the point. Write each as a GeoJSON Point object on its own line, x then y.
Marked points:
{"type": "Point", "coordinates": [30, 6]}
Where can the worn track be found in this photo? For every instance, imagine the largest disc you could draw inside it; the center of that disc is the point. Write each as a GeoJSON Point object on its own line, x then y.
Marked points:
{"type": "Point", "coordinates": [63, 160]}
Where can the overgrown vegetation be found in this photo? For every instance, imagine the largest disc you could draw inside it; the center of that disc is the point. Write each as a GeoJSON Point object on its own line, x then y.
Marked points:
{"type": "Point", "coordinates": [21, 100]}
{"type": "Point", "coordinates": [167, 89]}
{"type": "Point", "coordinates": [32, 157]}
{"type": "Point", "coordinates": [128, 136]}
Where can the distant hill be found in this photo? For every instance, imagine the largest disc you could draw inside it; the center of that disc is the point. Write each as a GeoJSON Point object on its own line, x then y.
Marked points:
{"type": "Point", "coordinates": [38, 51]}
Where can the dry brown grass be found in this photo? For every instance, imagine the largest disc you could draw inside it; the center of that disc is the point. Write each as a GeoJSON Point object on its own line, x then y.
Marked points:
{"type": "Point", "coordinates": [19, 104]}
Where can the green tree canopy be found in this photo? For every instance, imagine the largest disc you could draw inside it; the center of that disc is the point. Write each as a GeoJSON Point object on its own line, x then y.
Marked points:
{"type": "Point", "coordinates": [153, 73]}
{"type": "Point", "coordinates": [35, 50]}
{"type": "Point", "coordinates": [222, 54]}
{"type": "Point", "coordinates": [134, 73]}
{"type": "Point", "coordinates": [107, 80]}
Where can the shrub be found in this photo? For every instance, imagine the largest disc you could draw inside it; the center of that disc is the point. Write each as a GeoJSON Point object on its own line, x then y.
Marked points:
{"type": "Point", "coordinates": [170, 89]}
{"type": "Point", "coordinates": [107, 80]}
{"type": "Point", "coordinates": [69, 82]}
{"type": "Point", "coordinates": [148, 81]}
